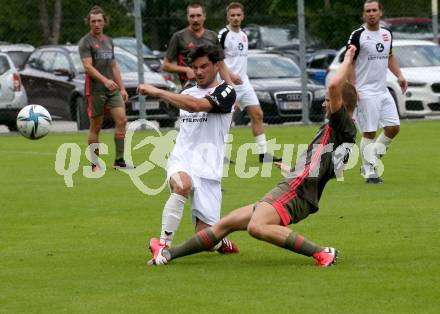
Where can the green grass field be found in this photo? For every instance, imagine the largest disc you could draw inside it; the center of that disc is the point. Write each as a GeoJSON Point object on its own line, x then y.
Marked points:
{"type": "Point", "coordinates": [82, 249]}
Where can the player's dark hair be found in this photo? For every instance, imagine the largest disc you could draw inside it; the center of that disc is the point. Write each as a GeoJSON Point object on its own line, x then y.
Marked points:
{"type": "Point", "coordinates": [96, 10]}
{"type": "Point", "coordinates": [372, 1]}
{"type": "Point", "coordinates": [234, 5]}
{"type": "Point", "coordinates": [211, 51]}
{"type": "Point", "coordinates": [195, 5]}
{"type": "Point", "coordinates": [349, 97]}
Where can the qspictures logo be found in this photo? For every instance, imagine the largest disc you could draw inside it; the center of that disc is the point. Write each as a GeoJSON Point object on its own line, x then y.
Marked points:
{"type": "Point", "coordinates": [206, 158]}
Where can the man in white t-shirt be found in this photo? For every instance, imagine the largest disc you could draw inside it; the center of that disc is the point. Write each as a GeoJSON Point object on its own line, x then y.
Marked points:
{"type": "Point", "coordinates": [235, 45]}
{"type": "Point", "coordinates": [376, 107]}
{"type": "Point", "coordinates": [195, 165]}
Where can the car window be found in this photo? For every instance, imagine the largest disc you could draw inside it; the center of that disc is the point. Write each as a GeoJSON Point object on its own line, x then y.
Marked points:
{"type": "Point", "coordinates": [128, 63]}
{"type": "Point", "coordinates": [61, 62]}
{"type": "Point", "coordinates": [417, 56]}
{"type": "Point", "coordinates": [252, 35]}
{"type": "Point", "coordinates": [272, 67]}
{"type": "Point", "coordinates": [34, 60]}
{"type": "Point", "coordinates": [46, 61]}
{"type": "Point", "coordinates": [319, 62]}
{"type": "Point", "coordinates": [130, 45]}
{"type": "Point", "coordinates": [18, 57]}
{"type": "Point", "coordinates": [77, 63]}
{"type": "Point", "coordinates": [4, 65]}
{"type": "Point", "coordinates": [277, 36]}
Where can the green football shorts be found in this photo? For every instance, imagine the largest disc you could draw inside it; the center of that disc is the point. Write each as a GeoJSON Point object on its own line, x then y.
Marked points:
{"type": "Point", "coordinates": [291, 207]}
{"type": "Point", "coordinates": [97, 102]}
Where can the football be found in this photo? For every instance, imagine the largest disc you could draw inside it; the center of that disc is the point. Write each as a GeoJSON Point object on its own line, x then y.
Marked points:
{"type": "Point", "coordinates": [34, 121]}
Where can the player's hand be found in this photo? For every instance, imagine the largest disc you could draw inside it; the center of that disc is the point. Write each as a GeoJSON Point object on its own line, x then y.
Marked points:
{"type": "Point", "coordinates": [190, 74]}
{"type": "Point", "coordinates": [403, 83]}
{"type": "Point", "coordinates": [236, 79]}
{"type": "Point", "coordinates": [146, 89]}
{"type": "Point", "coordinates": [349, 53]}
{"type": "Point", "coordinates": [111, 85]}
{"type": "Point", "coordinates": [283, 167]}
{"type": "Point", "coordinates": [124, 95]}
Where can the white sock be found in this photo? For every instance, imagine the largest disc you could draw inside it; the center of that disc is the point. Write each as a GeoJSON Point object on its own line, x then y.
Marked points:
{"type": "Point", "coordinates": [261, 143]}
{"type": "Point", "coordinates": [385, 140]}
{"type": "Point", "coordinates": [171, 217]}
{"type": "Point", "coordinates": [367, 168]}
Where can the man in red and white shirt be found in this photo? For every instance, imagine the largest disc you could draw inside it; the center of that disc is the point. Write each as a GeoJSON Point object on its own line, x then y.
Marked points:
{"type": "Point", "coordinates": [376, 107]}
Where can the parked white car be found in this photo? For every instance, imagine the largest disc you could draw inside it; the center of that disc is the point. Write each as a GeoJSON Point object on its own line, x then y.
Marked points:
{"type": "Point", "coordinates": [419, 61]}
{"type": "Point", "coordinates": [12, 94]}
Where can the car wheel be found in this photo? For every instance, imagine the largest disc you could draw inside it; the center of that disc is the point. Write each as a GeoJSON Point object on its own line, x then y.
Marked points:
{"type": "Point", "coordinates": [166, 123]}
{"type": "Point", "coordinates": [240, 118]}
{"type": "Point", "coordinates": [82, 118]}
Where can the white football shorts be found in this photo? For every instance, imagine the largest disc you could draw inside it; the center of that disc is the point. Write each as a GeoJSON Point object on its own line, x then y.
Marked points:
{"type": "Point", "coordinates": [206, 194]}
{"type": "Point", "coordinates": [376, 112]}
{"type": "Point", "coordinates": [246, 96]}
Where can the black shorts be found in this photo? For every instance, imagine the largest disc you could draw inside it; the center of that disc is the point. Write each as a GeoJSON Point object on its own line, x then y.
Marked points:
{"type": "Point", "coordinates": [291, 207]}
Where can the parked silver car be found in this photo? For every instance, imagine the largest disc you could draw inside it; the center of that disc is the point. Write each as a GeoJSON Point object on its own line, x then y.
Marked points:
{"type": "Point", "coordinates": [12, 93]}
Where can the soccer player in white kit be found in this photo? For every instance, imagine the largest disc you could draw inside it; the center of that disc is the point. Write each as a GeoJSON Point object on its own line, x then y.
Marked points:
{"type": "Point", "coordinates": [376, 107]}
{"type": "Point", "coordinates": [235, 45]}
{"type": "Point", "coordinates": [196, 163]}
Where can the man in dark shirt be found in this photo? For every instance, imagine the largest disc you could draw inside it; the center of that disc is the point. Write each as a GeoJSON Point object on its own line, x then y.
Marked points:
{"type": "Point", "coordinates": [188, 38]}
{"type": "Point", "coordinates": [103, 86]}
{"type": "Point", "coordinates": [297, 196]}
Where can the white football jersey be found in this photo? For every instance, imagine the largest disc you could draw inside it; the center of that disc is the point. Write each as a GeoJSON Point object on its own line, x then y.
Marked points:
{"type": "Point", "coordinates": [200, 143]}
{"type": "Point", "coordinates": [235, 47]}
{"type": "Point", "coordinates": [371, 57]}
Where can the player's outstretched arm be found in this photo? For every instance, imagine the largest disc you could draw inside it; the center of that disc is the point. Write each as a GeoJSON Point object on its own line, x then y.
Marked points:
{"type": "Point", "coordinates": [337, 81]}
{"type": "Point", "coordinates": [181, 101]}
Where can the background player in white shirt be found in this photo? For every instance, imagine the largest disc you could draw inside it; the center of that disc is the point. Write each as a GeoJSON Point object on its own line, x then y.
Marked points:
{"type": "Point", "coordinates": [196, 162]}
{"type": "Point", "coordinates": [235, 45]}
{"type": "Point", "coordinates": [376, 107]}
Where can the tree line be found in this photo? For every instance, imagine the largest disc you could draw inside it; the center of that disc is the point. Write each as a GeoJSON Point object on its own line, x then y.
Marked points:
{"type": "Point", "coordinates": [40, 22]}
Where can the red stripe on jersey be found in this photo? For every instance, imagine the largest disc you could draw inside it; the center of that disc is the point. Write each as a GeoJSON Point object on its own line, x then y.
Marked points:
{"type": "Point", "coordinates": [182, 76]}
{"type": "Point", "coordinates": [291, 193]}
{"type": "Point", "coordinates": [315, 158]}
{"type": "Point", "coordinates": [87, 85]}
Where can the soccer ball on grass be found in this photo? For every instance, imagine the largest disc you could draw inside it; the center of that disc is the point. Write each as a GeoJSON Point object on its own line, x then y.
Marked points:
{"type": "Point", "coordinates": [33, 122]}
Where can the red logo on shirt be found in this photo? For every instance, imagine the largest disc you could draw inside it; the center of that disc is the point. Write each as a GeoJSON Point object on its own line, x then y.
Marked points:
{"type": "Point", "coordinates": [97, 46]}
{"type": "Point", "coordinates": [190, 45]}
{"type": "Point", "coordinates": [385, 37]}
